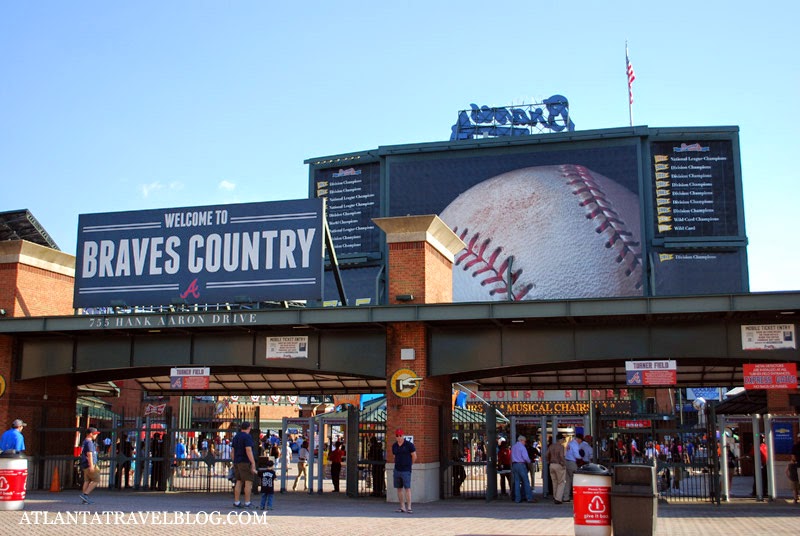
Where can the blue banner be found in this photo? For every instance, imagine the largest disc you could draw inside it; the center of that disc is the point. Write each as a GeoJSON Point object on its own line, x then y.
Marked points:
{"type": "Point", "coordinates": [784, 436]}
{"type": "Point", "coordinates": [199, 255]}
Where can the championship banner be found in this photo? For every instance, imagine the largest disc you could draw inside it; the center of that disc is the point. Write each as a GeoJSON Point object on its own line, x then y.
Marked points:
{"type": "Point", "coordinates": [212, 254]}
{"type": "Point", "coordinates": [770, 375]}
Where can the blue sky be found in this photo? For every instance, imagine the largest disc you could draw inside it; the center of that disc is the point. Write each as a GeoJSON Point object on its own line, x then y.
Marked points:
{"type": "Point", "coordinates": [112, 106]}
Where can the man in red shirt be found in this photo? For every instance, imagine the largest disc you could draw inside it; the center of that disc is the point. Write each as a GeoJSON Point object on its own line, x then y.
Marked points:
{"type": "Point", "coordinates": [762, 449]}
{"type": "Point", "coordinates": [335, 456]}
{"type": "Point", "coordinates": [504, 467]}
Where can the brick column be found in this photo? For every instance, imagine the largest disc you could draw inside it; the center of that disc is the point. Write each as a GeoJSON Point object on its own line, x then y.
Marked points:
{"type": "Point", "coordinates": [36, 281]}
{"type": "Point", "coordinates": [421, 250]}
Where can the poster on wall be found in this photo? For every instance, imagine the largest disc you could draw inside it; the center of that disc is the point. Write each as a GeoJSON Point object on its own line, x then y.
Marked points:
{"type": "Point", "coordinates": [650, 373]}
{"type": "Point", "coordinates": [770, 375]}
{"type": "Point", "coordinates": [287, 347]}
{"type": "Point", "coordinates": [768, 337]}
{"type": "Point", "coordinates": [541, 224]}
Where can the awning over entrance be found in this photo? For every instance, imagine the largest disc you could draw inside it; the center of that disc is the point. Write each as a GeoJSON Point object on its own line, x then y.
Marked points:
{"type": "Point", "coordinates": [295, 383]}
{"type": "Point", "coordinates": [752, 402]}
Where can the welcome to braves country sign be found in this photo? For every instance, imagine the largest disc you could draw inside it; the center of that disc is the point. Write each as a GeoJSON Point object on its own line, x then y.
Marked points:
{"type": "Point", "coordinates": [210, 254]}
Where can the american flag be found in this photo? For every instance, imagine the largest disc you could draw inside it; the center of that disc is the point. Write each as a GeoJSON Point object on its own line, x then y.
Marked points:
{"type": "Point", "coordinates": [631, 75]}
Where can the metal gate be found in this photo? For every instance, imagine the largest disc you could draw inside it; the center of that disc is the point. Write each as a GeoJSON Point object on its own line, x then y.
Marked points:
{"type": "Point", "coordinates": [685, 457]}
{"type": "Point", "coordinates": [140, 455]}
{"type": "Point", "coordinates": [469, 444]}
{"type": "Point", "coordinates": [372, 446]}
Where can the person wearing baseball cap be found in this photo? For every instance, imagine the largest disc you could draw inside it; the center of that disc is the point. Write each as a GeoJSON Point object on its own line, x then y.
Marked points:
{"type": "Point", "coordinates": [12, 438]}
{"type": "Point", "coordinates": [405, 455]}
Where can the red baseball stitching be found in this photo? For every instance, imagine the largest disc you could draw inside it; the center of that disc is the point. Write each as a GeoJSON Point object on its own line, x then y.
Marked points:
{"type": "Point", "coordinates": [598, 206]}
{"type": "Point", "coordinates": [480, 253]}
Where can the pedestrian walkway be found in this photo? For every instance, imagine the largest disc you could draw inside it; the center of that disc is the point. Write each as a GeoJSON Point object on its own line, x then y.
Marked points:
{"type": "Point", "coordinates": [178, 514]}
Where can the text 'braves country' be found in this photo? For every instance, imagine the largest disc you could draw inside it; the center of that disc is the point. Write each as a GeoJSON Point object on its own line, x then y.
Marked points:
{"type": "Point", "coordinates": [228, 252]}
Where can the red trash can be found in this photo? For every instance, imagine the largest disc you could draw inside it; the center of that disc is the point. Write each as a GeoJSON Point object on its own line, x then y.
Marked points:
{"type": "Point", "coordinates": [13, 477]}
{"type": "Point", "coordinates": [591, 490]}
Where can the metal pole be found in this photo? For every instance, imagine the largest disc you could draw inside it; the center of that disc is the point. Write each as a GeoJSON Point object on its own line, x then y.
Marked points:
{"type": "Point", "coordinates": [770, 436]}
{"type": "Point", "coordinates": [312, 431]}
{"type": "Point", "coordinates": [491, 454]}
{"type": "Point", "coordinates": [284, 446]}
{"type": "Point", "coordinates": [726, 492]}
{"type": "Point", "coordinates": [542, 464]}
{"type": "Point", "coordinates": [321, 456]}
{"type": "Point", "coordinates": [757, 459]}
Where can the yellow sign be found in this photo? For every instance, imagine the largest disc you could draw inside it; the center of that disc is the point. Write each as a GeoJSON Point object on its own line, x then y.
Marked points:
{"type": "Point", "coordinates": [405, 383]}
{"type": "Point", "coordinates": [2, 385]}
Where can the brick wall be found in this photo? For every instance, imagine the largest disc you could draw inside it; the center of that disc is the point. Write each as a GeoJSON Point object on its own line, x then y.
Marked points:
{"type": "Point", "coordinates": [36, 281]}
{"type": "Point", "coordinates": [417, 268]}
{"type": "Point", "coordinates": [43, 293]}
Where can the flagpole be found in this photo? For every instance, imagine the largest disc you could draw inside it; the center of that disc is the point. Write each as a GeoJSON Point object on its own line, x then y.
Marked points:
{"type": "Point", "coordinates": [629, 74]}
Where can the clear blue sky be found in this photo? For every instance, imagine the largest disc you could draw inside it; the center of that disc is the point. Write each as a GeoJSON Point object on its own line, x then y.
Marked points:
{"type": "Point", "coordinates": [111, 106]}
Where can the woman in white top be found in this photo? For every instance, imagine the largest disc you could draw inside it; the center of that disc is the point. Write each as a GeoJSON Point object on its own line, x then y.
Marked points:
{"type": "Point", "coordinates": [302, 462]}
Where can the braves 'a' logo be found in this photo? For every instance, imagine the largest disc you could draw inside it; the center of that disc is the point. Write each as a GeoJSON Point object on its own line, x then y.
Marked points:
{"type": "Point", "coordinates": [192, 289]}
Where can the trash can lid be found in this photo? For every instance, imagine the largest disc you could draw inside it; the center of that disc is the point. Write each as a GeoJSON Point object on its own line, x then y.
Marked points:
{"type": "Point", "coordinates": [594, 469]}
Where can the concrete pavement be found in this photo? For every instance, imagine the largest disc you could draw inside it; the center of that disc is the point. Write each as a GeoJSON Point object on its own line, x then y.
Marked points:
{"type": "Point", "coordinates": [177, 514]}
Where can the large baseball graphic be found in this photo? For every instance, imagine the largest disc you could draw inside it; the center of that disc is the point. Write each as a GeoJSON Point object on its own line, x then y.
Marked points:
{"type": "Point", "coordinates": [549, 232]}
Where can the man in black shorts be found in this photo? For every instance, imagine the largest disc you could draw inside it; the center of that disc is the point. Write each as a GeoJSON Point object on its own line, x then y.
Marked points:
{"type": "Point", "coordinates": [405, 454]}
{"type": "Point", "coordinates": [244, 465]}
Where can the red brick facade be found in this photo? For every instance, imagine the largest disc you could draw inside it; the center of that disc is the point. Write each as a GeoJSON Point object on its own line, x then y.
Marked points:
{"type": "Point", "coordinates": [418, 269]}
{"type": "Point", "coordinates": [421, 267]}
{"type": "Point", "coordinates": [36, 281]}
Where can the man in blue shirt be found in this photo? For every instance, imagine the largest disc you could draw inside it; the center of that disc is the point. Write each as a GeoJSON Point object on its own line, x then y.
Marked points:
{"type": "Point", "coordinates": [244, 465]}
{"type": "Point", "coordinates": [12, 438]}
{"type": "Point", "coordinates": [519, 468]}
{"type": "Point", "coordinates": [405, 454]}
{"type": "Point", "coordinates": [180, 456]}
{"type": "Point", "coordinates": [572, 456]}
{"type": "Point", "coordinates": [91, 473]}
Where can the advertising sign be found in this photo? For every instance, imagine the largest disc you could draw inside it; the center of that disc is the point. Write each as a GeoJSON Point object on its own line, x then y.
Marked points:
{"type": "Point", "coordinates": [563, 407]}
{"type": "Point", "coordinates": [768, 337]}
{"type": "Point", "coordinates": [209, 254]}
{"type": "Point", "coordinates": [640, 423]}
{"type": "Point", "coordinates": [526, 216]}
{"type": "Point", "coordinates": [287, 347]}
{"type": "Point", "coordinates": [783, 436]}
{"type": "Point", "coordinates": [694, 189]}
{"type": "Point", "coordinates": [647, 373]}
{"type": "Point", "coordinates": [189, 378]}
{"type": "Point", "coordinates": [770, 375]}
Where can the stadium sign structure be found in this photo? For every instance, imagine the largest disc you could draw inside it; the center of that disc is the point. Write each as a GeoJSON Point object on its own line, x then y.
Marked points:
{"type": "Point", "coordinates": [200, 255]}
{"type": "Point", "coordinates": [551, 115]}
{"type": "Point", "coordinates": [625, 212]}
